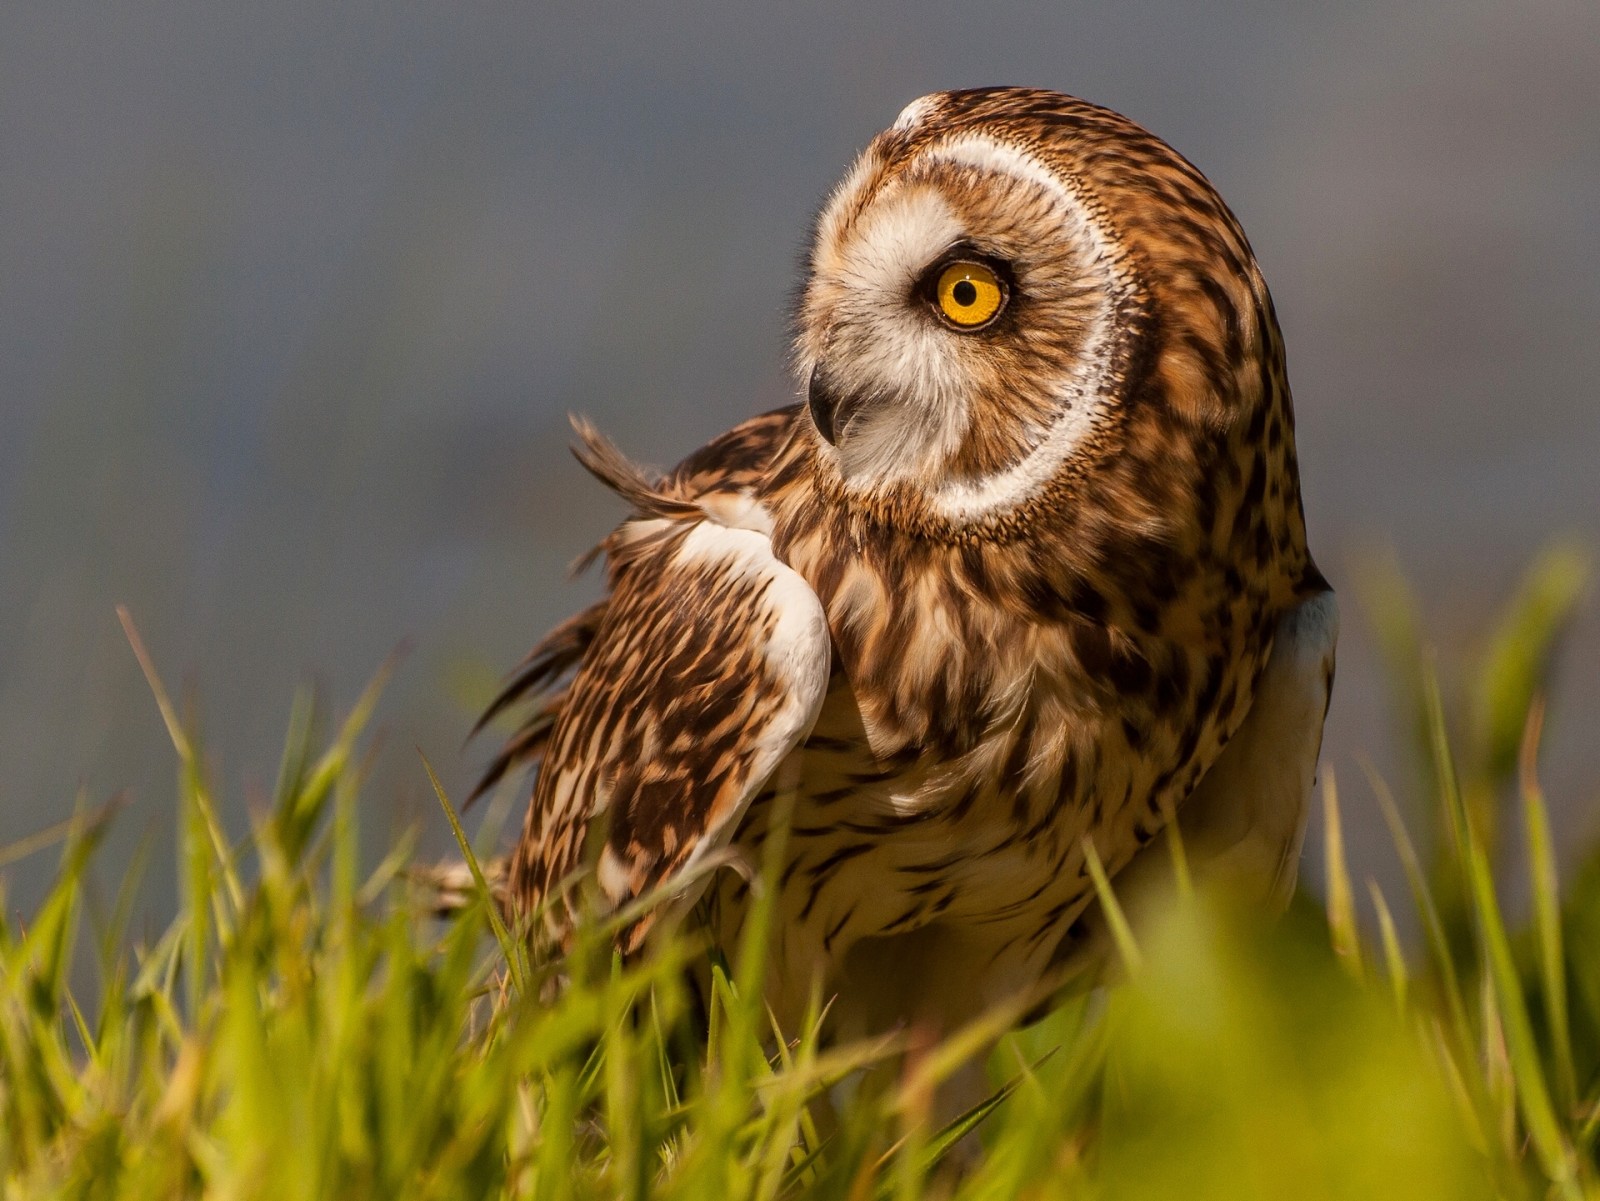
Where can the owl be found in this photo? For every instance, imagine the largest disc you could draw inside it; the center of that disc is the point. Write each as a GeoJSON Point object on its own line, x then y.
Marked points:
{"type": "Point", "coordinates": [1022, 582]}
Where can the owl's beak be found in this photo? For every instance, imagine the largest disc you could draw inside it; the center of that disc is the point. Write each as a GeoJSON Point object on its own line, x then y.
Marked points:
{"type": "Point", "coordinates": [830, 410]}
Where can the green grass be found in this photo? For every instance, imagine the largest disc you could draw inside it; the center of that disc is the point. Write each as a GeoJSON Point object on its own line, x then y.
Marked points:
{"type": "Point", "coordinates": [307, 1029]}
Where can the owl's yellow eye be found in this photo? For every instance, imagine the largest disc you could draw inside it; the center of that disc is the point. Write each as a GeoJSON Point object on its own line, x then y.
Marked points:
{"type": "Point", "coordinates": [969, 294]}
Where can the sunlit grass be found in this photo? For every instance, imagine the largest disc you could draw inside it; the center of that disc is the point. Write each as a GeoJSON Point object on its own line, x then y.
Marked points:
{"type": "Point", "coordinates": [307, 1029]}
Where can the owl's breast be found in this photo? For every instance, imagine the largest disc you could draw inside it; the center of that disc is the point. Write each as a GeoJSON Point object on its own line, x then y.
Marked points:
{"type": "Point", "coordinates": [995, 706]}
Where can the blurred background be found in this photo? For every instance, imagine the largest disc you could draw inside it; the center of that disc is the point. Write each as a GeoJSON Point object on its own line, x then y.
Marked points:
{"type": "Point", "coordinates": [294, 300]}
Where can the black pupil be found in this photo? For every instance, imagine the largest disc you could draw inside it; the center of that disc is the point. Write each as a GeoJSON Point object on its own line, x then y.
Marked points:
{"type": "Point", "coordinates": [964, 293]}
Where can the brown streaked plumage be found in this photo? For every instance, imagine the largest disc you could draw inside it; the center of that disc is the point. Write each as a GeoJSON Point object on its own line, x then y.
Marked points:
{"type": "Point", "coordinates": [991, 595]}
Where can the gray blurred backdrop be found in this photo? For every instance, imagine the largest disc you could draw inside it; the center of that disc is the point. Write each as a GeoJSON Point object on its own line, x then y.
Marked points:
{"type": "Point", "coordinates": [294, 300]}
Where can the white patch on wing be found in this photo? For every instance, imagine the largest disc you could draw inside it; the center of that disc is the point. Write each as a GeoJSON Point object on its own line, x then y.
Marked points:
{"type": "Point", "coordinates": [737, 510]}
{"type": "Point", "coordinates": [798, 651]}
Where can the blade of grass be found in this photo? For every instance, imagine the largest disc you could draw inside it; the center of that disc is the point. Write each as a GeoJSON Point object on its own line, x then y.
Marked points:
{"type": "Point", "coordinates": [1116, 920]}
{"type": "Point", "coordinates": [1394, 956]}
{"type": "Point", "coordinates": [64, 830]}
{"type": "Point", "coordinates": [1547, 909]}
{"type": "Point", "coordinates": [204, 854]}
{"type": "Point", "coordinates": [945, 1138]}
{"type": "Point", "coordinates": [1342, 925]}
{"type": "Point", "coordinates": [302, 807]}
{"type": "Point", "coordinates": [1521, 654]}
{"type": "Point", "coordinates": [1422, 897]}
{"type": "Point", "coordinates": [508, 947]}
{"type": "Point", "coordinates": [1549, 1142]}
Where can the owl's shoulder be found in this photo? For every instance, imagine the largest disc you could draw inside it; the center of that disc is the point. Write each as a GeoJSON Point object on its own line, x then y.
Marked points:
{"type": "Point", "coordinates": [737, 460]}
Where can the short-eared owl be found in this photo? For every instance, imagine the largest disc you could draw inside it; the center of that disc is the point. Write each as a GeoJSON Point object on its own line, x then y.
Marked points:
{"type": "Point", "coordinates": [1025, 574]}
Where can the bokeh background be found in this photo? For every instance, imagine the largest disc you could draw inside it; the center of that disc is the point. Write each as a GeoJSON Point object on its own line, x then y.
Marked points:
{"type": "Point", "coordinates": [294, 300]}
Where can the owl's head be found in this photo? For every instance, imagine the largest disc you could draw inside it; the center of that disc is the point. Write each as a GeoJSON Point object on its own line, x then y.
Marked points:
{"type": "Point", "coordinates": [1010, 290]}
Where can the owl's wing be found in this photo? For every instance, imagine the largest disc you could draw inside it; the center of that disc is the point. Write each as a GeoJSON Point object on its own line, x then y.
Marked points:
{"type": "Point", "coordinates": [724, 471]}
{"type": "Point", "coordinates": [710, 664]}
{"type": "Point", "coordinates": [1246, 820]}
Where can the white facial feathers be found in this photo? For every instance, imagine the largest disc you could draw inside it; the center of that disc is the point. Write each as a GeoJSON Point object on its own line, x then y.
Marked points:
{"type": "Point", "coordinates": [874, 342]}
{"type": "Point", "coordinates": [926, 385]}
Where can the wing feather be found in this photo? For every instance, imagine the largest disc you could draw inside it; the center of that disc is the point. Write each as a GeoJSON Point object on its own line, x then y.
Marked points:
{"type": "Point", "coordinates": [709, 666]}
{"type": "Point", "coordinates": [1246, 819]}
{"type": "Point", "coordinates": [536, 678]}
